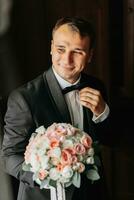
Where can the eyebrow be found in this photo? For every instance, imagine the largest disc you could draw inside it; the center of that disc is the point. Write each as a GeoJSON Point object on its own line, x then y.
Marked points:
{"type": "Point", "coordinates": [62, 46]}
{"type": "Point", "coordinates": [80, 49]}
{"type": "Point", "coordinates": [77, 49]}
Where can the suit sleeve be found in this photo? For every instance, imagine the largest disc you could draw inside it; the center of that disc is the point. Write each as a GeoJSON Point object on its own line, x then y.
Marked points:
{"type": "Point", "coordinates": [102, 129]}
{"type": "Point", "coordinates": [19, 125]}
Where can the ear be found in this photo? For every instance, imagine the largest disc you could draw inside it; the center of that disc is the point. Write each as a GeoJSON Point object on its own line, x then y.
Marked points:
{"type": "Point", "coordinates": [90, 55]}
{"type": "Point", "coordinates": [51, 47]}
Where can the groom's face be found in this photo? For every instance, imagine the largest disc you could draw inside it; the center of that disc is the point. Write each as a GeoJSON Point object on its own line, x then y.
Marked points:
{"type": "Point", "coordinates": [70, 53]}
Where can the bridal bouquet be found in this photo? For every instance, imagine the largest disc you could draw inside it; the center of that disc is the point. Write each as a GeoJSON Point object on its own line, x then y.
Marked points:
{"type": "Point", "coordinates": [58, 155]}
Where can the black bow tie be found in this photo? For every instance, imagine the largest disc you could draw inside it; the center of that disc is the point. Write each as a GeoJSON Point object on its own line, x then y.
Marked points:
{"type": "Point", "coordinates": [77, 86]}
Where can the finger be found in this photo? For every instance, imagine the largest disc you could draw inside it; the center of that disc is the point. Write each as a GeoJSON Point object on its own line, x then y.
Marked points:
{"type": "Point", "coordinates": [88, 100]}
{"type": "Point", "coordinates": [89, 106]}
{"type": "Point", "coordinates": [90, 90]}
{"type": "Point", "coordinates": [89, 95]}
{"type": "Point", "coordinates": [86, 104]}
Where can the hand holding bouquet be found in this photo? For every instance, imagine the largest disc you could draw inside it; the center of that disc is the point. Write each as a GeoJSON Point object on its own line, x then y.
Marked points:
{"type": "Point", "coordinates": [59, 154]}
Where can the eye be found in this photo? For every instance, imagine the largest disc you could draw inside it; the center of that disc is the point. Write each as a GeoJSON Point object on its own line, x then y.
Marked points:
{"type": "Point", "coordinates": [60, 50]}
{"type": "Point", "coordinates": [78, 52]}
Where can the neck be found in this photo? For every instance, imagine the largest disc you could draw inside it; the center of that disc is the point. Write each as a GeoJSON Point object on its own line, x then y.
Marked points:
{"type": "Point", "coordinates": [70, 82]}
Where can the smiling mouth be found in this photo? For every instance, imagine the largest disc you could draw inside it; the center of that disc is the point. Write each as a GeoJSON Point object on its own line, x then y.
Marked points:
{"type": "Point", "coordinates": [68, 67]}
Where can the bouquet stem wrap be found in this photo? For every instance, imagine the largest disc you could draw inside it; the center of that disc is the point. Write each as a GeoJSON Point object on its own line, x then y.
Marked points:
{"type": "Point", "coordinates": [58, 193]}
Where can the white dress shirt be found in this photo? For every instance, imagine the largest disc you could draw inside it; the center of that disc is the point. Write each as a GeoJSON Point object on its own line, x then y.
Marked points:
{"type": "Point", "coordinates": [74, 106]}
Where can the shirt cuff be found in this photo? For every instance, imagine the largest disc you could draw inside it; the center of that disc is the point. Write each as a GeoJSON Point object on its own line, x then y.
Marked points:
{"type": "Point", "coordinates": [102, 116]}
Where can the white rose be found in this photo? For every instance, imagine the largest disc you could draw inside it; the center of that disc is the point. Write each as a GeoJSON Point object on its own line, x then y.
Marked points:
{"type": "Point", "coordinates": [68, 144]}
{"type": "Point", "coordinates": [54, 174]}
{"type": "Point", "coordinates": [45, 144]}
{"type": "Point", "coordinates": [90, 160]}
{"type": "Point", "coordinates": [80, 158]}
{"type": "Point", "coordinates": [44, 162]}
{"type": "Point", "coordinates": [40, 130]}
{"type": "Point", "coordinates": [55, 152]}
{"type": "Point", "coordinates": [67, 172]}
{"type": "Point", "coordinates": [35, 163]}
{"type": "Point", "coordinates": [91, 152]}
{"type": "Point", "coordinates": [75, 167]}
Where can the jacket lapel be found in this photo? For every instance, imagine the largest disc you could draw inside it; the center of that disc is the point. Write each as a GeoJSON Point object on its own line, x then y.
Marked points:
{"type": "Point", "coordinates": [59, 102]}
{"type": "Point", "coordinates": [57, 96]}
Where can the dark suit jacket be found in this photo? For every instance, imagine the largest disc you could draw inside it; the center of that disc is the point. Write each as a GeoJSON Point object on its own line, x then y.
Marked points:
{"type": "Point", "coordinates": [40, 102]}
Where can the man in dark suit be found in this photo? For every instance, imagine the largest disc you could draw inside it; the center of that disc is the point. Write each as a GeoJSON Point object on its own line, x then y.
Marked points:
{"type": "Point", "coordinates": [42, 102]}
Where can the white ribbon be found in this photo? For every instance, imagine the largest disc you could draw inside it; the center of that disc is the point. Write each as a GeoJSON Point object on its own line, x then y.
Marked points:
{"type": "Point", "coordinates": [58, 193]}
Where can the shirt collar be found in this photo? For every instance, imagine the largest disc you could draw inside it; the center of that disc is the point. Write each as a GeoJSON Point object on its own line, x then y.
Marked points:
{"type": "Point", "coordinates": [62, 82]}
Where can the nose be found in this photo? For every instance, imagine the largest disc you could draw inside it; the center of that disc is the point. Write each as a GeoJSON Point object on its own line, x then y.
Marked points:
{"type": "Point", "coordinates": [68, 59]}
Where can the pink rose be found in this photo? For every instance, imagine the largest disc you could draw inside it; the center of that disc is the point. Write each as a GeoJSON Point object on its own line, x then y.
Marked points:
{"type": "Point", "coordinates": [79, 149]}
{"type": "Point", "coordinates": [86, 141]}
{"type": "Point", "coordinates": [70, 150]}
{"type": "Point", "coordinates": [66, 157]}
{"type": "Point", "coordinates": [27, 154]}
{"type": "Point", "coordinates": [61, 131]}
{"type": "Point", "coordinates": [55, 161]}
{"type": "Point", "coordinates": [81, 167]}
{"type": "Point", "coordinates": [54, 143]}
{"type": "Point", "coordinates": [42, 174]}
{"type": "Point", "coordinates": [72, 131]}
{"type": "Point", "coordinates": [74, 159]}
{"type": "Point", "coordinates": [60, 167]}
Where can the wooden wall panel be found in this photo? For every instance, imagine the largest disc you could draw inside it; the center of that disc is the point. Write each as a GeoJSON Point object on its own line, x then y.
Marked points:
{"type": "Point", "coordinates": [129, 48]}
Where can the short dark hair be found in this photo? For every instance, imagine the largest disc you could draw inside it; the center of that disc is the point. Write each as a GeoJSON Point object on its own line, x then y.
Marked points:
{"type": "Point", "coordinates": [80, 25]}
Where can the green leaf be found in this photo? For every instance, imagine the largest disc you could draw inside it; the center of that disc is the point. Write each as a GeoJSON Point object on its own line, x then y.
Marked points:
{"type": "Point", "coordinates": [76, 180]}
{"type": "Point", "coordinates": [36, 179]}
{"type": "Point", "coordinates": [44, 184]}
{"type": "Point", "coordinates": [93, 175]}
{"type": "Point", "coordinates": [52, 183]}
{"type": "Point", "coordinates": [26, 167]}
{"type": "Point", "coordinates": [68, 184]}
